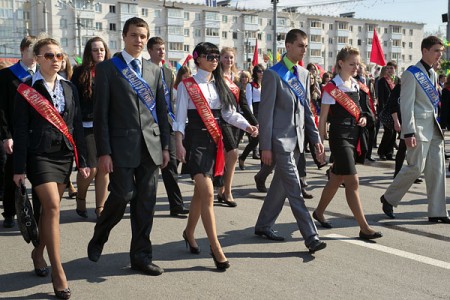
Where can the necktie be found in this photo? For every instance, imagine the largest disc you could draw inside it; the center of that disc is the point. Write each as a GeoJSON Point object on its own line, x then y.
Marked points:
{"type": "Point", "coordinates": [136, 66]}
{"type": "Point", "coordinates": [295, 71]}
{"type": "Point", "coordinates": [31, 72]}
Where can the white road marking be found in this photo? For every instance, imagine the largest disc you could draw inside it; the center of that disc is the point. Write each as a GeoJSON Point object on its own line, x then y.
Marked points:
{"type": "Point", "coordinates": [389, 250]}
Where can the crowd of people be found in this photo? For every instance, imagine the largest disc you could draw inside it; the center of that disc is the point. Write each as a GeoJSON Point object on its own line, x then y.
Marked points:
{"type": "Point", "coordinates": [121, 118]}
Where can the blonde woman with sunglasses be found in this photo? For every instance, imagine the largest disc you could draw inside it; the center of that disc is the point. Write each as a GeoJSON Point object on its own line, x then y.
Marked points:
{"type": "Point", "coordinates": [45, 145]}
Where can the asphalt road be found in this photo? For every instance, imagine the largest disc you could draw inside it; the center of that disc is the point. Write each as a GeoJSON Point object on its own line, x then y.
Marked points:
{"type": "Point", "coordinates": [411, 261]}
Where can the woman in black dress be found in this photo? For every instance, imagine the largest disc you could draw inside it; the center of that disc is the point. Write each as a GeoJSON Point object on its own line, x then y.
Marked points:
{"type": "Point", "coordinates": [209, 83]}
{"type": "Point", "coordinates": [345, 132]}
{"type": "Point", "coordinates": [84, 79]}
{"type": "Point", "coordinates": [45, 155]}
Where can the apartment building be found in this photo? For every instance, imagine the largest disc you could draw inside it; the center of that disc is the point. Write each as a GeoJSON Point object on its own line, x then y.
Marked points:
{"type": "Point", "coordinates": [184, 25]}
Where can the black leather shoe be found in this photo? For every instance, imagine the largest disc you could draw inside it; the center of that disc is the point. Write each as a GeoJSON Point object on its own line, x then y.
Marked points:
{"type": "Point", "coordinates": [179, 211]}
{"type": "Point", "coordinates": [306, 195]}
{"type": "Point", "coordinates": [390, 157]}
{"type": "Point", "coordinates": [9, 222]}
{"type": "Point", "coordinates": [382, 157]}
{"type": "Point", "coordinates": [149, 269]}
{"type": "Point", "coordinates": [303, 183]}
{"type": "Point", "coordinates": [418, 180]}
{"type": "Point", "coordinates": [324, 223]}
{"type": "Point", "coordinates": [256, 155]}
{"type": "Point", "coordinates": [320, 166]}
{"type": "Point", "coordinates": [260, 185]}
{"type": "Point", "coordinates": [372, 236]}
{"type": "Point", "coordinates": [192, 249]}
{"type": "Point", "coordinates": [94, 251]}
{"type": "Point", "coordinates": [445, 220]}
{"type": "Point", "coordinates": [388, 209]}
{"type": "Point", "coordinates": [269, 234]}
{"type": "Point", "coordinates": [241, 164]}
{"type": "Point", "coordinates": [316, 246]}
{"type": "Point", "coordinates": [220, 265]}
{"type": "Point", "coordinates": [370, 158]}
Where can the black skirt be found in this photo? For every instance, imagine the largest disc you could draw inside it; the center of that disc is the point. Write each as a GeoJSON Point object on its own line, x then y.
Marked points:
{"type": "Point", "coordinates": [343, 140]}
{"type": "Point", "coordinates": [230, 136]}
{"type": "Point", "coordinates": [50, 167]}
{"type": "Point", "coordinates": [202, 152]}
{"type": "Point", "coordinates": [90, 147]}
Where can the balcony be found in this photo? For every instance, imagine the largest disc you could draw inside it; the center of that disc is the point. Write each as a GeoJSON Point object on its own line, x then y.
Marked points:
{"type": "Point", "coordinates": [315, 31]}
{"type": "Point", "coordinates": [250, 27]}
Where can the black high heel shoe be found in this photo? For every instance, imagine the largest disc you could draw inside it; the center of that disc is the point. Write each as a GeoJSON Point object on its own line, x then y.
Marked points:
{"type": "Point", "coordinates": [194, 250]}
{"type": "Point", "coordinates": [81, 213]}
{"type": "Point", "coordinates": [224, 200]}
{"type": "Point", "coordinates": [220, 265]}
{"type": "Point", "coordinates": [63, 294]}
{"type": "Point", "coordinates": [41, 272]}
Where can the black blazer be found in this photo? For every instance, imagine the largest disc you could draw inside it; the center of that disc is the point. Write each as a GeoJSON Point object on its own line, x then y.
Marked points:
{"type": "Point", "coordinates": [34, 134]}
{"type": "Point", "coordinates": [86, 103]}
{"type": "Point", "coordinates": [8, 90]}
{"type": "Point", "coordinates": [122, 124]}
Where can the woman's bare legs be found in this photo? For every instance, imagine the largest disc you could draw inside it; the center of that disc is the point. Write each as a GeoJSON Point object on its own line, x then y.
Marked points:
{"type": "Point", "coordinates": [231, 158]}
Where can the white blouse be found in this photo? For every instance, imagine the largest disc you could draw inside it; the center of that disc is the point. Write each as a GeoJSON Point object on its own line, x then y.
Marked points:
{"type": "Point", "coordinates": [327, 99]}
{"type": "Point", "coordinates": [253, 95]}
{"type": "Point", "coordinates": [208, 90]}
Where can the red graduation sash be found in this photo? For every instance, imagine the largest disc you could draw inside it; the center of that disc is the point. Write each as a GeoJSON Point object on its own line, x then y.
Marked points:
{"type": "Point", "coordinates": [234, 88]}
{"type": "Point", "coordinates": [390, 82]}
{"type": "Point", "coordinates": [48, 112]}
{"type": "Point", "coordinates": [366, 90]}
{"type": "Point", "coordinates": [347, 103]}
{"type": "Point", "coordinates": [208, 119]}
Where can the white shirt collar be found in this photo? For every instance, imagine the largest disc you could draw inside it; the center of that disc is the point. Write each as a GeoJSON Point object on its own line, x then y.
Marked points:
{"type": "Point", "coordinates": [37, 76]}
{"type": "Point", "coordinates": [128, 58]}
{"type": "Point", "coordinates": [202, 76]}
{"type": "Point", "coordinates": [26, 68]}
{"type": "Point", "coordinates": [338, 80]}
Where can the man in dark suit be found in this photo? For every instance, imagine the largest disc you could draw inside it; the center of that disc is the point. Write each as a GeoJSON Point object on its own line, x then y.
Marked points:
{"type": "Point", "coordinates": [132, 139]}
{"type": "Point", "coordinates": [157, 51]}
{"type": "Point", "coordinates": [10, 78]}
{"type": "Point", "coordinates": [284, 119]}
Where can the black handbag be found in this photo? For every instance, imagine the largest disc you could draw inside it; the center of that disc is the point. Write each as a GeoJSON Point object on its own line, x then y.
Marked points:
{"type": "Point", "coordinates": [25, 217]}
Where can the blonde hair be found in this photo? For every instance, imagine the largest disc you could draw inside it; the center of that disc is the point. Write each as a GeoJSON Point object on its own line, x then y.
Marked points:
{"type": "Point", "coordinates": [343, 55]}
{"type": "Point", "coordinates": [233, 68]}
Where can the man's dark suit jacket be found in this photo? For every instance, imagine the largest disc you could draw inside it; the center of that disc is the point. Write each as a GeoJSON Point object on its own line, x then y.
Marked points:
{"type": "Point", "coordinates": [122, 122]}
{"type": "Point", "coordinates": [8, 90]}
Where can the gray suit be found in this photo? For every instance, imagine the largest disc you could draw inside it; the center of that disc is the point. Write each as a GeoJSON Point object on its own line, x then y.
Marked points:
{"type": "Point", "coordinates": [419, 118]}
{"type": "Point", "coordinates": [125, 129]}
{"type": "Point", "coordinates": [283, 123]}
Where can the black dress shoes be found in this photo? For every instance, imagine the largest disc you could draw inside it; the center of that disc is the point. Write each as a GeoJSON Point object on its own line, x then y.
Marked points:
{"type": "Point", "coordinates": [176, 212]}
{"type": "Point", "coordinates": [445, 220]}
{"type": "Point", "coordinates": [94, 251]}
{"type": "Point", "coordinates": [269, 234]}
{"type": "Point", "coordinates": [418, 180]}
{"type": "Point", "coordinates": [149, 269]}
{"type": "Point", "coordinates": [306, 195]}
{"type": "Point", "coordinates": [260, 185]}
{"type": "Point", "coordinates": [365, 236]}
{"type": "Point", "coordinates": [241, 164]}
{"type": "Point", "coordinates": [383, 157]}
{"type": "Point", "coordinates": [370, 158]}
{"type": "Point", "coordinates": [9, 222]}
{"type": "Point", "coordinates": [324, 223]}
{"type": "Point", "coordinates": [316, 246]}
{"type": "Point", "coordinates": [256, 155]}
{"type": "Point", "coordinates": [388, 209]}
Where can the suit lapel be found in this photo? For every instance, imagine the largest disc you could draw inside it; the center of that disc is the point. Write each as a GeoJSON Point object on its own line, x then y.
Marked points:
{"type": "Point", "coordinates": [68, 96]}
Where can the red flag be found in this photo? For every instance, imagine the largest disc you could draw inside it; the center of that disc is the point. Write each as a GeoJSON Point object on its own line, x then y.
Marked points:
{"type": "Point", "coordinates": [255, 54]}
{"type": "Point", "coordinates": [377, 54]}
{"type": "Point", "coordinates": [188, 58]}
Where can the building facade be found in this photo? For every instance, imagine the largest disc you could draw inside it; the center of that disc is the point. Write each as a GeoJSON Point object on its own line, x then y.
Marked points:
{"type": "Point", "coordinates": [184, 25]}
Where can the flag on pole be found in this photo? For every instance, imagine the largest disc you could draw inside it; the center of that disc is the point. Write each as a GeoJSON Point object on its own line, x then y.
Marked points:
{"type": "Point", "coordinates": [255, 54]}
{"type": "Point", "coordinates": [278, 56]}
{"type": "Point", "coordinates": [377, 54]}
{"type": "Point", "coordinates": [269, 54]}
{"type": "Point", "coordinates": [188, 58]}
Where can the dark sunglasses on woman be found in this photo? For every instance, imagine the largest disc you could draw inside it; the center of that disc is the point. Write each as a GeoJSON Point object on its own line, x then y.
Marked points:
{"type": "Point", "coordinates": [51, 56]}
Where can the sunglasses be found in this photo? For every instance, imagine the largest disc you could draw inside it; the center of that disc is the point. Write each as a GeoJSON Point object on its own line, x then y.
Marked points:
{"type": "Point", "coordinates": [51, 56]}
{"type": "Point", "coordinates": [259, 71]}
{"type": "Point", "coordinates": [211, 57]}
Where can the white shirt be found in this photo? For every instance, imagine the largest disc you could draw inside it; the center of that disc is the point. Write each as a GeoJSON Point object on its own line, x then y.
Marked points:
{"type": "Point", "coordinates": [252, 94]}
{"type": "Point", "coordinates": [57, 94]}
{"type": "Point", "coordinates": [208, 90]}
{"type": "Point", "coordinates": [327, 99]}
{"type": "Point", "coordinates": [128, 58]}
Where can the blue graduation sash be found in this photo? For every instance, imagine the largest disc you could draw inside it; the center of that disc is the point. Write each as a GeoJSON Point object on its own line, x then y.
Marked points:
{"type": "Point", "coordinates": [20, 72]}
{"type": "Point", "coordinates": [292, 81]}
{"type": "Point", "coordinates": [167, 97]}
{"type": "Point", "coordinates": [426, 84]}
{"type": "Point", "coordinates": [138, 84]}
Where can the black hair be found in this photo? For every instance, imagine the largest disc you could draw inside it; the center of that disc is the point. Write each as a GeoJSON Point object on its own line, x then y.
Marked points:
{"type": "Point", "coordinates": [258, 67]}
{"type": "Point", "coordinates": [430, 41]}
{"type": "Point", "coordinates": [138, 22]}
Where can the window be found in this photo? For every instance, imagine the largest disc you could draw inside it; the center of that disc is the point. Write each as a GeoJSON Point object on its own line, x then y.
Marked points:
{"type": "Point", "coordinates": [342, 40]}
{"type": "Point", "coordinates": [316, 52]}
{"type": "Point", "coordinates": [186, 31]}
{"type": "Point", "coordinates": [197, 32]}
{"type": "Point", "coordinates": [157, 30]}
{"type": "Point", "coordinates": [269, 22]}
{"type": "Point", "coordinates": [175, 13]}
{"type": "Point", "coordinates": [370, 27]}
{"type": "Point", "coordinates": [112, 26]}
{"type": "Point", "coordinates": [404, 31]}
{"type": "Point", "coordinates": [315, 24]}
{"type": "Point", "coordinates": [112, 9]}
{"type": "Point", "coordinates": [395, 29]}
{"type": "Point", "coordinates": [330, 27]}
{"type": "Point", "coordinates": [186, 16]}
{"type": "Point", "coordinates": [175, 46]}
{"type": "Point", "coordinates": [269, 37]}
{"type": "Point", "coordinates": [224, 34]}
{"type": "Point", "coordinates": [359, 42]}
{"type": "Point", "coordinates": [98, 26]}
{"type": "Point", "coordinates": [330, 54]}
{"type": "Point", "coordinates": [301, 24]}
{"type": "Point", "coordinates": [410, 57]}
{"type": "Point", "coordinates": [235, 35]}
{"type": "Point", "coordinates": [368, 54]}
{"type": "Point", "coordinates": [64, 42]}
{"type": "Point", "coordinates": [351, 28]}
{"type": "Point", "coordinates": [224, 19]}
{"type": "Point", "coordinates": [235, 19]}
{"type": "Point", "coordinates": [342, 26]}
{"type": "Point", "coordinates": [403, 56]}
{"type": "Point", "coordinates": [175, 30]}
{"type": "Point", "coordinates": [186, 48]}
{"type": "Point", "coordinates": [411, 32]}
{"type": "Point", "coordinates": [98, 7]}
{"type": "Point", "coordinates": [63, 23]}
{"type": "Point", "coordinates": [395, 55]}
{"type": "Point", "coordinates": [330, 41]}
{"type": "Point", "coordinates": [212, 32]}
{"type": "Point", "coordinates": [197, 17]}
{"type": "Point", "coordinates": [259, 35]}
{"type": "Point", "coordinates": [112, 45]}
{"type": "Point", "coordinates": [350, 41]}
{"type": "Point", "coordinates": [209, 15]}
{"type": "Point", "coordinates": [144, 12]}
{"type": "Point", "coordinates": [359, 28]}
{"type": "Point", "coordinates": [281, 22]}
{"type": "Point", "coordinates": [410, 45]}
{"type": "Point", "coordinates": [403, 44]}
{"type": "Point", "coordinates": [315, 38]}
{"type": "Point", "coordinates": [369, 41]}
{"type": "Point", "coordinates": [396, 43]}
{"type": "Point", "coordinates": [260, 21]}
{"type": "Point", "coordinates": [128, 8]}
{"type": "Point", "coordinates": [385, 30]}
{"type": "Point", "coordinates": [251, 19]}
{"type": "Point", "coordinates": [157, 13]}
{"type": "Point", "coordinates": [87, 23]}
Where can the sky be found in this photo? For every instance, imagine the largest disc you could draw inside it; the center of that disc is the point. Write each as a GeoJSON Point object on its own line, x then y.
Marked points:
{"type": "Point", "coordinates": [422, 11]}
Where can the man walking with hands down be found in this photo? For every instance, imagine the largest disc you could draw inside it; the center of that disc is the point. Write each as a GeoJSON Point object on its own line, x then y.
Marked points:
{"type": "Point", "coordinates": [422, 134]}
{"type": "Point", "coordinates": [132, 137]}
{"type": "Point", "coordinates": [285, 118]}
